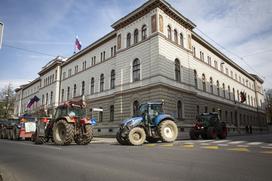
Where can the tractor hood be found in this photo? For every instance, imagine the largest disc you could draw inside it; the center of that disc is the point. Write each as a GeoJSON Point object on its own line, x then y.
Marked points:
{"type": "Point", "coordinates": [132, 121]}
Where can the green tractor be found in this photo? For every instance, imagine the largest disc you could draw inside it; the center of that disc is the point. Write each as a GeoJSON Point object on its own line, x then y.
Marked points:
{"type": "Point", "coordinates": [208, 126]}
{"type": "Point", "coordinates": [68, 124]}
{"type": "Point", "coordinates": [150, 124]}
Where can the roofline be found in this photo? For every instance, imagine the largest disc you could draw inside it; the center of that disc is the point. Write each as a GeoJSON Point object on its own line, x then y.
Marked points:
{"type": "Point", "coordinates": [156, 3]}
{"type": "Point", "coordinates": [56, 61]}
{"type": "Point", "coordinates": [257, 78]}
{"type": "Point", "coordinates": [95, 44]}
{"type": "Point", "coordinates": [220, 54]}
{"type": "Point", "coordinates": [31, 83]}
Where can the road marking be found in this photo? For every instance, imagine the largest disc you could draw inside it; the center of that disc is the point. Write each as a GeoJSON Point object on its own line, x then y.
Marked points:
{"type": "Point", "coordinates": [187, 145]}
{"type": "Point", "coordinates": [205, 144]}
{"type": "Point", "coordinates": [266, 152]}
{"type": "Point", "coordinates": [167, 145]}
{"type": "Point", "coordinates": [236, 142]}
{"type": "Point", "coordinates": [239, 149]}
{"type": "Point", "coordinates": [255, 143]}
{"type": "Point", "coordinates": [269, 144]}
{"type": "Point", "coordinates": [266, 147]}
{"type": "Point", "coordinates": [150, 145]}
{"type": "Point", "coordinates": [223, 145]}
{"type": "Point", "coordinates": [243, 146]}
{"type": "Point", "coordinates": [220, 141]}
{"type": "Point", "coordinates": [205, 141]}
{"type": "Point", "coordinates": [210, 147]}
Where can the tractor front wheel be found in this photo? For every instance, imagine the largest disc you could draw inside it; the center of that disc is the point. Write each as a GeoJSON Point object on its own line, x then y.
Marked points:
{"type": "Point", "coordinates": [136, 136]}
{"type": "Point", "coordinates": [168, 131]}
{"type": "Point", "coordinates": [63, 132]}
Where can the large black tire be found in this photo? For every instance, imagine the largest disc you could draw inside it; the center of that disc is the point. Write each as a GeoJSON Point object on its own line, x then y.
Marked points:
{"type": "Point", "coordinates": [211, 133]}
{"type": "Point", "coordinates": [194, 135]}
{"type": "Point", "coordinates": [63, 132]}
{"type": "Point", "coordinates": [168, 131]}
{"type": "Point", "coordinates": [87, 138]}
{"type": "Point", "coordinates": [121, 140]}
{"type": "Point", "coordinates": [136, 136]}
{"type": "Point", "coordinates": [223, 133]}
{"type": "Point", "coordinates": [152, 140]}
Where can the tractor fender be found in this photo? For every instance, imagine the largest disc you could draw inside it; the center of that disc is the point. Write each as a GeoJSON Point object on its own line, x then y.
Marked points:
{"type": "Point", "coordinates": [162, 117]}
{"type": "Point", "coordinates": [66, 118]}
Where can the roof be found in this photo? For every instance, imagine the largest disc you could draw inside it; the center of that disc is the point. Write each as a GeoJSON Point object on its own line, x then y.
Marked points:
{"type": "Point", "coordinates": [257, 78]}
{"type": "Point", "coordinates": [149, 5]}
{"type": "Point", "coordinates": [30, 83]}
{"type": "Point", "coordinates": [53, 63]}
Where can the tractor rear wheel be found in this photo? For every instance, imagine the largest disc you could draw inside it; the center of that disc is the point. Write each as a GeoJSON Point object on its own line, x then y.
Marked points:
{"type": "Point", "coordinates": [136, 136]}
{"type": "Point", "coordinates": [87, 138]}
{"type": "Point", "coordinates": [63, 132]}
{"type": "Point", "coordinates": [121, 140]}
{"type": "Point", "coordinates": [168, 131]}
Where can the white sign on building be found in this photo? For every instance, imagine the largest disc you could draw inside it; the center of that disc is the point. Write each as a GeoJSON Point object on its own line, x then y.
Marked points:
{"type": "Point", "coordinates": [1, 33]}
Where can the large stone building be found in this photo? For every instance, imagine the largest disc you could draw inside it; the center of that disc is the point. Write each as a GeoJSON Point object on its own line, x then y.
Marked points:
{"type": "Point", "coordinates": [152, 54]}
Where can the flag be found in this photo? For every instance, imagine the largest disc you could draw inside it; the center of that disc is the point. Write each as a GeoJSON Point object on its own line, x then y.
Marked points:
{"type": "Point", "coordinates": [31, 102]}
{"type": "Point", "coordinates": [77, 44]}
{"type": "Point", "coordinates": [243, 96]}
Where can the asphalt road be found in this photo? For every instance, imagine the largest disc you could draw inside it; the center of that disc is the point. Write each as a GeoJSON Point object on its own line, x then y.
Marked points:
{"type": "Point", "coordinates": [237, 158]}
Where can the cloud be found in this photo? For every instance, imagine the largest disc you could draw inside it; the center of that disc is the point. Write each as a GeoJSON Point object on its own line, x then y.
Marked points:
{"type": "Point", "coordinates": [14, 82]}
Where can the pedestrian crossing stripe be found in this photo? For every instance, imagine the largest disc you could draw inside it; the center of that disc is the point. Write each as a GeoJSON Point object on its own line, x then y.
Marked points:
{"type": "Point", "coordinates": [239, 149]}
{"type": "Point", "coordinates": [243, 146]}
{"type": "Point", "coordinates": [205, 144]}
{"type": "Point", "coordinates": [188, 145]}
{"type": "Point", "coordinates": [223, 145]}
{"type": "Point", "coordinates": [211, 147]}
{"type": "Point", "coordinates": [150, 145]}
{"type": "Point", "coordinates": [255, 143]}
{"type": "Point", "coordinates": [236, 142]}
{"type": "Point", "coordinates": [220, 141]}
{"type": "Point", "coordinates": [167, 145]}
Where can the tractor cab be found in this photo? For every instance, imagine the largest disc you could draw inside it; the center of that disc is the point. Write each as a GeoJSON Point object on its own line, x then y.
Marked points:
{"type": "Point", "coordinates": [149, 111]}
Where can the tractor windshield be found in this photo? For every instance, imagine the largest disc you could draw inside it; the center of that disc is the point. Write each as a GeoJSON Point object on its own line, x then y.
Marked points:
{"type": "Point", "coordinates": [76, 111]}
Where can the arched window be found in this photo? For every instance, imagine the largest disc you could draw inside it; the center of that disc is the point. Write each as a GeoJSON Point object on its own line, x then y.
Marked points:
{"type": "Point", "coordinates": [101, 82]}
{"type": "Point", "coordinates": [211, 85]}
{"type": "Point", "coordinates": [181, 40]}
{"type": "Point", "coordinates": [169, 32]}
{"type": "Point", "coordinates": [136, 34]}
{"type": "Point", "coordinates": [177, 70]}
{"type": "Point", "coordinates": [144, 30]}
{"type": "Point", "coordinates": [218, 88]}
{"type": "Point", "coordinates": [224, 90]}
{"type": "Point", "coordinates": [136, 70]}
{"type": "Point", "coordinates": [112, 113]}
{"type": "Point", "coordinates": [68, 93]}
{"type": "Point", "coordinates": [51, 97]}
{"type": "Point", "coordinates": [233, 92]}
{"type": "Point", "coordinates": [135, 107]}
{"type": "Point", "coordinates": [100, 115]}
{"type": "Point", "coordinates": [176, 36]}
{"type": "Point", "coordinates": [82, 87]}
{"type": "Point", "coordinates": [62, 95]}
{"type": "Point", "coordinates": [112, 84]}
{"type": "Point", "coordinates": [74, 90]}
{"type": "Point", "coordinates": [92, 85]}
{"type": "Point", "coordinates": [229, 92]}
{"type": "Point", "coordinates": [204, 82]}
{"type": "Point", "coordinates": [179, 109]}
{"type": "Point", "coordinates": [128, 40]}
{"type": "Point", "coordinates": [195, 77]}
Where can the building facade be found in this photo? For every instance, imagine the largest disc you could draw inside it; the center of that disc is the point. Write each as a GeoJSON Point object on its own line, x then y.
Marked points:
{"type": "Point", "coordinates": [152, 54]}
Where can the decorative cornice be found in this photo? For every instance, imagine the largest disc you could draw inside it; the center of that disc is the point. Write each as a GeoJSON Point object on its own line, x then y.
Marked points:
{"type": "Point", "coordinates": [146, 8]}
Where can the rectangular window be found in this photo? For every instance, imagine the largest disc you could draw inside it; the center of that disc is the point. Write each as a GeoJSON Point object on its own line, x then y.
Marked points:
{"type": "Point", "coordinates": [69, 72]}
{"type": "Point", "coordinates": [215, 64]}
{"type": "Point", "coordinates": [194, 51]}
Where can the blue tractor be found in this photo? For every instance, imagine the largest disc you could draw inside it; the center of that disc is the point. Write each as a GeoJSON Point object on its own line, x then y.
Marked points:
{"type": "Point", "coordinates": [150, 124]}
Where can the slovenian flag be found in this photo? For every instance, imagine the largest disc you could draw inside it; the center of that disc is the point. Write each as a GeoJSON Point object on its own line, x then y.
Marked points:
{"type": "Point", "coordinates": [31, 102]}
{"type": "Point", "coordinates": [77, 44]}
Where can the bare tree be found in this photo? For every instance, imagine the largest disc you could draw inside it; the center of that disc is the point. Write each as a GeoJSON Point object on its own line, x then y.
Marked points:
{"type": "Point", "coordinates": [7, 98]}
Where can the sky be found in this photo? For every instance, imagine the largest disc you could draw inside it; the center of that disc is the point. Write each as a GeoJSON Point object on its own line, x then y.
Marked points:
{"type": "Point", "coordinates": [241, 29]}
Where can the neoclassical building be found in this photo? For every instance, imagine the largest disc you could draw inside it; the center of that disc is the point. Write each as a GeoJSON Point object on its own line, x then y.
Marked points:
{"type": "Point", "coordinates": [152, 54]}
